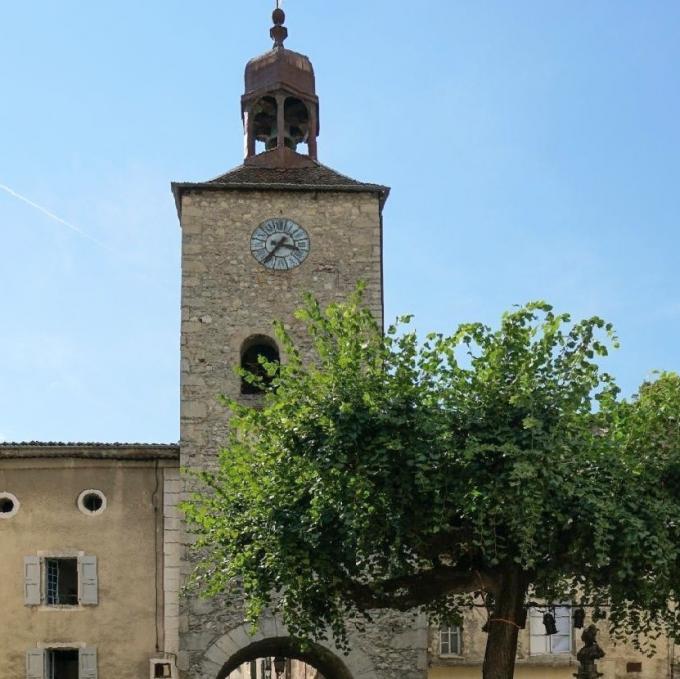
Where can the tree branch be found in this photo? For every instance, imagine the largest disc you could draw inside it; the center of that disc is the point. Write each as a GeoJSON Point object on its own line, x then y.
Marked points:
{"type": "Point", "coordinates": [410, 591]}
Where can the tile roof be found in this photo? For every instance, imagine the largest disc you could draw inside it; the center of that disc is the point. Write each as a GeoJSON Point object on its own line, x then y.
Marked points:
{"type": "Point", "coordinates": [118, 451]}
{"type": "Point", "coordinates": [315, 175]}
{"type": "Point", "coordinates": [312, 177]}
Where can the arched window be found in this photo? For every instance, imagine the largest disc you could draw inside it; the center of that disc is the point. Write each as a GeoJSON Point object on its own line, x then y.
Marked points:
{"type": "Point", "coordinates": [253, 348]}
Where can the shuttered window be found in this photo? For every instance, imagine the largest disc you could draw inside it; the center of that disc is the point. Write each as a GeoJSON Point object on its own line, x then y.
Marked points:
{"type": "Point", "coordinates": [56, 581]}
{"type": "Point", "coordinates": [61, 663]}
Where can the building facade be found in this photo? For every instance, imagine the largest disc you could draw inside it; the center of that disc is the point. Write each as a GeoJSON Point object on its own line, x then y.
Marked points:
{"type": "Point", "coordinates": [93, 550]}
{"type": "Point", "coordinates": [83, 546]}
{"type": "Point", "coordinates": [458, 652]}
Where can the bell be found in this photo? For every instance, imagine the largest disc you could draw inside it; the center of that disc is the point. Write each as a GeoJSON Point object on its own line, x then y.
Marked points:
{"type": "Point", "coordinates": [522, 618]}
{"type": "Point", "coordinates": [279, 666]}
{"type": "Point", "coordinates": [579, 618]}
{"type": "Point", "coordinates": [549, 624]}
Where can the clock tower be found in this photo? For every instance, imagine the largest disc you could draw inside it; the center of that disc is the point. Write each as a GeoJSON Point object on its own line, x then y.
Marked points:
{"type": "Point", "coordinates": [253, 241]}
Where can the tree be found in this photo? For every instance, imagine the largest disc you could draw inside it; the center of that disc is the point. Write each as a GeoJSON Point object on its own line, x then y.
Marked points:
{"type": "Point", "coordinates": [382, 473]}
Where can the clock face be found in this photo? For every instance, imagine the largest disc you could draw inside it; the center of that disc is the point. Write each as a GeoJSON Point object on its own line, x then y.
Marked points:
{"type": "Point", "coordinates": [279, 244]}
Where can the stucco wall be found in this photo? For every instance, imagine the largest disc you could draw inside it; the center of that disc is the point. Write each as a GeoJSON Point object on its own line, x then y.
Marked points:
{"type": "Point", "coordinates": [227, 296]}
{"type": "Point", "coordinates": [125, 539]}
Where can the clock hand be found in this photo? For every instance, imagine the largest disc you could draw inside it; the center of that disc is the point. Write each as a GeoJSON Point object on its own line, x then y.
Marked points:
{"type": "Point", "coordinates": [274, 251]}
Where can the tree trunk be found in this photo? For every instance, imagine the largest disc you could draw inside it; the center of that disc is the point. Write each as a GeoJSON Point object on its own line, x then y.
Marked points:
{"type": "Point", "coordinates": [501, 645]}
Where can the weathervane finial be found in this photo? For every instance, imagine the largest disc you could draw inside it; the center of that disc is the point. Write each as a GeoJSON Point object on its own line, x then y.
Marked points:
{"type": "Point", "coordinates": [279, 32]}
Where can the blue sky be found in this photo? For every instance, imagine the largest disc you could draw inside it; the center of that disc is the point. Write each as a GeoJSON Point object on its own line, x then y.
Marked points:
{"type": "Point", "coordinates": [533, 149]}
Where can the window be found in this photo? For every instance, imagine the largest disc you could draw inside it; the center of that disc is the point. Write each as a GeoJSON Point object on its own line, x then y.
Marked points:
{"type": "Point", "coordinates": [61, 663]}
{"type": "Point", "coordinates": [92, 502]}
{"type": "Point", "coordinates": [450, 641]}
{"type": "Point", "coordinates": [60, 581]}
{"type": "Point", "coordinates": [542, 644]}
{"type": "Point", "coordinates": [162, 669]}
{"type": "Point", "coordinates": [252, 350]}
{"type": "Point", "coordinates": [9, 505]}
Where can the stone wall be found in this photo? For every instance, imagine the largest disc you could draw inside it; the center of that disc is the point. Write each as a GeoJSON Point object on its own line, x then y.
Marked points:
{"type": "Point", "coordinates": [227, 297]}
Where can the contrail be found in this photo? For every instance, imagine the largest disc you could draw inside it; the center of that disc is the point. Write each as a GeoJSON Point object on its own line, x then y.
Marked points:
{"type": "Point", "coordinates": [82, 234]}
{"type": "Point", "coordinates": [54, 217]}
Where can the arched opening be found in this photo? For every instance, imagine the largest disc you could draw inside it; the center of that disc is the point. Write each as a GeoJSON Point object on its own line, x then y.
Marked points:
{"type": "Point", "coordinates": [284, 653]}
{"type": "Point", "coordinates": [276, 668]}
{"type": "Point", "coordinates": [265, 122]}
{"type": "Point", "coordinates": [251, 351]}
{"type": "Point", "coordinates": [296, 117]}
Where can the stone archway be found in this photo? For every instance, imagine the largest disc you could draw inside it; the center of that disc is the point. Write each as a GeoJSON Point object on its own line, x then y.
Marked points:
{"type": "Point", "coordinates": [315, 655]}
{"type": "Point", "coordinates": [271, 639]}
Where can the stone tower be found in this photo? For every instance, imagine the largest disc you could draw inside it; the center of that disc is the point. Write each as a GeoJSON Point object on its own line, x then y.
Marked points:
{"type": "Point", "coordinates": [253, 240]}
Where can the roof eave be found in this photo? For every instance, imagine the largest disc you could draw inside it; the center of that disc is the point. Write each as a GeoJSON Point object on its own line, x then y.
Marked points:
{"type": "Point", "coordinates": [181, 188]}
{"type": "Point", "coordinates": [97, 451]}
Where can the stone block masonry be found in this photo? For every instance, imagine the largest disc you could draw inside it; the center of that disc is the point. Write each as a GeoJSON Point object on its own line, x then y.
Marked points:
{"type": "Point", "coordinates": [227, 297]}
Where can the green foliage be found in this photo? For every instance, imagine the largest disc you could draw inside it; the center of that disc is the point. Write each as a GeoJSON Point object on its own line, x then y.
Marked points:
{"type": "Point", "coordinates": [382, 472]}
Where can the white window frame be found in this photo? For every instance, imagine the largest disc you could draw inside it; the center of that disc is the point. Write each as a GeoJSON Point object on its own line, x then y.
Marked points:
{"type": "Point", "coordinates": [451, 631]}
{"type": "Point", "coordinates": [542, 644]}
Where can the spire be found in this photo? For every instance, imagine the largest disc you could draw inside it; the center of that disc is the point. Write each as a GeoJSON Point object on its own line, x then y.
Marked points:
{"type": "Point", "coordinates": [279, 32]}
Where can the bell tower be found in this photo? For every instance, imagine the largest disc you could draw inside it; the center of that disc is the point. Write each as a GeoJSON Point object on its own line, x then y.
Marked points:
{"type": "Point", "coordinates": [253, 241]}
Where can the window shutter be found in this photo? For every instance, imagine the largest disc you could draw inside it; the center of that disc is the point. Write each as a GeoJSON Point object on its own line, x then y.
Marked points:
{"type": "Point", "coordinates": [87, 581]}
{"type": "Point", "coordinates": [88, 663]}
{"type": "Point", "coordinates": [35, 664]}
{"type": "Point", "coordinates": [32, 580]}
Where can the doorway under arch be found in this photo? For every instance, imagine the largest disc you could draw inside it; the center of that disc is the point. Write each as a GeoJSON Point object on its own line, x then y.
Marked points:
{"type": "Point", "coordinates": [241, 644]}
{"type": "Point", "coordinates": [314, 655]}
